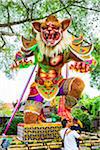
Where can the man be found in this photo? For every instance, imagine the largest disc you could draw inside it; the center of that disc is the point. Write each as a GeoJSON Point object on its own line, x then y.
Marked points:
{"type": "Point", "coordinates": [69, 140]}
{"type": "Point", "coordinates": [77, 126]}
{"type": "Point", "coordinates": [5, 144]}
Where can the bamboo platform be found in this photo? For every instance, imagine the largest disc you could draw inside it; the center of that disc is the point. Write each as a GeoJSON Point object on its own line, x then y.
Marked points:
{"type": "Point", "coordinates": [90, 142]}
{"type": "Point", "coordinates": [38, 132]}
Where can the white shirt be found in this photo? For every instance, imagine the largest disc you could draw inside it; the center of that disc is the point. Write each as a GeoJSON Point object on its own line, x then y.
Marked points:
{"type": "Point", "coordinates": [69, 141]}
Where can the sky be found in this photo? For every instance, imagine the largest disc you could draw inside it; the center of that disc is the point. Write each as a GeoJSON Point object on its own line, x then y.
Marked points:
{"type": "Point", "coordinates": [11, 89]}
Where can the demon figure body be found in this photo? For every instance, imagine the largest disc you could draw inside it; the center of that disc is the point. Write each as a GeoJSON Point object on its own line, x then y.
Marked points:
{"type": "Point", "coordinates": [52, 48]}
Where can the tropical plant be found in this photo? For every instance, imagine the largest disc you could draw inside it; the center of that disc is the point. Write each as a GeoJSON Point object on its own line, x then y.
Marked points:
{"type": "Point", "coordinates": [92, 106]}
{"type": "Point", "coordinates": [83, 117]}
{"type": "Point", "coordinates": [13, 127]}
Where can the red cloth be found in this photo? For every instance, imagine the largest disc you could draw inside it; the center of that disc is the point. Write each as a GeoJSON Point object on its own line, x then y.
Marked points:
{"type": "Point", "coordinates": [64, 112]}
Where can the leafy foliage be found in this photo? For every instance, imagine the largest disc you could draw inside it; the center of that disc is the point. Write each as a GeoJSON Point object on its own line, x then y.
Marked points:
{"type": "Point", "coordinates": [6, 110]}
{"type": "Point", "coordinates": [93, 107]}
{"type": "Point", "coordinates": [83, 117]}
{"type": "Point", "coordinates": [95, 75]}
{"type": "Point", "coordinates": [13, 127]}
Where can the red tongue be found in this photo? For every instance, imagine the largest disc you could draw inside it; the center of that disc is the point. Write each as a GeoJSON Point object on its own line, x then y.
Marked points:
{"type": "Point", "coordinates": [57, 36]}
{"type": "Point", "coordinates": [49, 37]}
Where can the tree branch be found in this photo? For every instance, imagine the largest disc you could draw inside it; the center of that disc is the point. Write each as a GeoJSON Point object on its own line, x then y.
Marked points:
{"type": "Point", "coordinates": [79, 1]}
{"type": "Point", "coordinates": [3, 42]}
{"type": "Point", "coordinates": [27, 9]}
{"type": "Point", "coordinates": [23, 4]}
{"type": "Point", "coordinates": [3, 33]}
{"type": "Point", "coordinates": [77, 36]}
{"type": "Point", "coordinates": [61, 1]}
{"type": "Point", "coordinates": [29, 20]}
{"type": "Point", "coordinates": [9, 19]}
{"type": "Point", "coordinates": [36, 2]}
{"type": "Point", "coordinates": [86, 8]}
{"type": "Point", "coordinates": [15, 23]}
{"type": "Point", "coordinates": [33, 6]}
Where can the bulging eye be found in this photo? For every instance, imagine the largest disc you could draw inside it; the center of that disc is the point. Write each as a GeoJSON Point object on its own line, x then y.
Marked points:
{"type": "Point", "coordinates": [57, 28]}
{"type": "Point", "coordinates": [43, 27]}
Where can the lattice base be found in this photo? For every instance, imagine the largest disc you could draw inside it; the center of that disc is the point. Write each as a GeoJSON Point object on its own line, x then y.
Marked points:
{"type": "Point", "coordinates": [39, 132]}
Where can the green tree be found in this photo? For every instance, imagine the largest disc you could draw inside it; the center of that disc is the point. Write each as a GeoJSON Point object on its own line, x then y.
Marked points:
{"type": "Point", "coordinates": [83, 117]}
{"type": "Point", "coordinates": [87, 117]}
{"type": "Point", "coordinates": [95, 75]}
{"type": "Point", "coordinates": [13, 127]}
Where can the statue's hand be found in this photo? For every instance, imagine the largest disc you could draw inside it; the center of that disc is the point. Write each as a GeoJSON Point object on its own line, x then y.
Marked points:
{"type": "Point", "coordinates": [20, 61]}
{"type": "Point", "coordinates": [83, 67]}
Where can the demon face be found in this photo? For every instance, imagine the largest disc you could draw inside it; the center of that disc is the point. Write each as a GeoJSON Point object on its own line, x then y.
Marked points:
{"type": "Point", "coordinates": [51, 30]}
{"type": "Point", "coordinates": [51, 34]}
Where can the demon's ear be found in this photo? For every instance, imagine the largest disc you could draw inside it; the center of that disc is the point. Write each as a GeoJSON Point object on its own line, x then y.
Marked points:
{"type": "Point", "coordinates": [25, 42]}
{"type": "Point", "coordinates": [37, 26]}
{"type": "Point", "coordinates": [65, 24]}
{"type": "Point", "coordinates": [28, 43]}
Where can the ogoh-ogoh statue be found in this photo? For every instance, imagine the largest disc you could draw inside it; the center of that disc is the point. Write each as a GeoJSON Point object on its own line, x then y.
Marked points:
{"type": "Point", "coordinates": [52, 48]}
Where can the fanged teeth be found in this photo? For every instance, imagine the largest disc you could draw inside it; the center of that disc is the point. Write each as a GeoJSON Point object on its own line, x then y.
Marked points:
{"type": "Point", "coordinates": [59, 51]}
{"type": "Point", "coordinates": [54, 54]}
{"type": "Point", "coordinates": [53, 36]}
{"type": "Point", "coordinates": [46, 35]}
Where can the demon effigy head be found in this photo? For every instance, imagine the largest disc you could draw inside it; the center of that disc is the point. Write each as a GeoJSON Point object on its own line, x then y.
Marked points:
{"type": "Point", "coordinates": [51, 36]}
{"type": "Point", "coordinates": [51, 30]}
